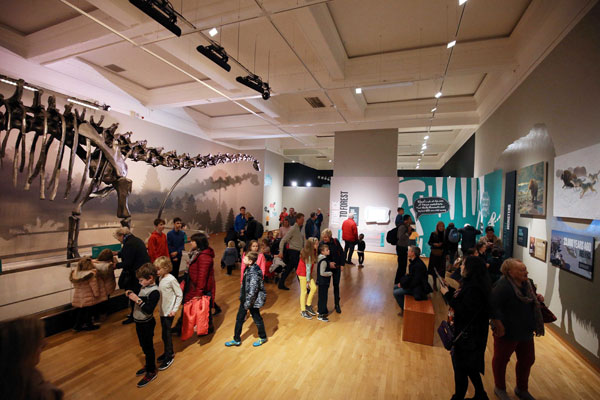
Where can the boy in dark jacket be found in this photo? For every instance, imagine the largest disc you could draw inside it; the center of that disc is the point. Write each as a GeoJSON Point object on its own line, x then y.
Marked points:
{"type": "Point", "coordinates": [361, 250]}
{"type": "Point", "coordinates": [252, 298]}
{"type": "Point", "coordinates": [143, 315]}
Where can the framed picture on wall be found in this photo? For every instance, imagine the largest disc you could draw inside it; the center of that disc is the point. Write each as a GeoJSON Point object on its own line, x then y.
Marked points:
{"type": "Point", "coordinates": [539, 251]}
{"type": "Point", "coordinates": [577, 184]}
{"type": "Point", "coordinates": [573, 253]}
{"type": "Point", "coordinates": [531, 246]}
{"type": "Point", "coordinates": [531, 190]}
{"type": "Point", "coordinates": [522, 236]}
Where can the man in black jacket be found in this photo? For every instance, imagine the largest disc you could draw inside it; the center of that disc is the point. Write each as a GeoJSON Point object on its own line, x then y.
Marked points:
{"type": "Point", "coordinates": [133, 255]}
{"type": "Point", "coordinates": [415, 282]}
{"type": "Point", "coordinates": [336, 261]}
{"type": "Point", "coordinates": [469, 238]}
{"type": "Point", "coordinates": [404, 231]}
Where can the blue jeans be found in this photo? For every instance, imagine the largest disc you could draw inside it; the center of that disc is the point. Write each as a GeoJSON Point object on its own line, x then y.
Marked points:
{"type": "Point", "coordinates": [399, 295]}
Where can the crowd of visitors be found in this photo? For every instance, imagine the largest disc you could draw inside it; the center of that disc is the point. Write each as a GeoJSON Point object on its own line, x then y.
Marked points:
{"type": "Point", "coordinates": [150, 277]}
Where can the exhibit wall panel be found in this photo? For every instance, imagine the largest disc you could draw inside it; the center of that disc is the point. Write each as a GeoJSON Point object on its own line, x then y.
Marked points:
{"type": "Point", "coordinates": [307, 200]}
{"type": "Point", "coordinates": [273, 190]}
{"type": "Point", "coordinates": [559, 98]}
{"type": "Point", "coordinates": [369, 198]}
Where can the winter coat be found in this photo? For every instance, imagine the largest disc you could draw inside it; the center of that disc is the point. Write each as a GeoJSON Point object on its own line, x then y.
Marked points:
{"type": "Point", "coordinates": [230, 256]}
{"type": "Point", "coordinates": [471, 307]}
{"type": "Point", "coordinates": [323, 271]}
{"type": "Point", "coordinates": [416, 279]}
{"type": "Point", "coordinates": [468, 234]}
{"type": "Point", "coordinates": [252, 292]}
{"type": "Point", "coordinates": [202, 275]}
{"type": "Point", "coordinates": [336, 252]}
{"type": "Point", "coordinates": [261, 261]}
{"type": "Point", "coordinates": [349, 231]}
{"type": "Point", "coordinates": [86, 289]}
{"type": "Point", "coordinates": [133, 255]}
{"type": "Point", "coordinates": [157, 246]}
{"type": "Point", "coordinates": [106, 275]}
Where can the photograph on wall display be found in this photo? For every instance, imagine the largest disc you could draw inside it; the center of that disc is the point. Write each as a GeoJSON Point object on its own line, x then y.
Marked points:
{"type": "Point", "coordinates": [573, 253]}
{"type": "Point", "coordinates": [539, 251]}
{"type": "Point", "coordinates": [522, 236]}
{"type": "Point", "coordinates": [576, 184]}
{"type": "Point", "coordinates": [531, 190]}
{"type": "Point", "coordinates": [531, 246]}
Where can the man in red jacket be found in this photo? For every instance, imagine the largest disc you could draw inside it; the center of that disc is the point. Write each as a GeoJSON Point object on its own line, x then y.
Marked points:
{"type": "Point", "coordinates": [157, 244]}
{"type": "Point", "coordinates": [350, 237]}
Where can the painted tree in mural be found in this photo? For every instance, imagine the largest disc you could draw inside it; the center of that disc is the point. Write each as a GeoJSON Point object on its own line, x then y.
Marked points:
{"type": "Point", "coordinates": [218, 223]}
{"type": "Point", "coordinates": [103, 151]}
{"type": "Point", "coordinates": [230, 219]}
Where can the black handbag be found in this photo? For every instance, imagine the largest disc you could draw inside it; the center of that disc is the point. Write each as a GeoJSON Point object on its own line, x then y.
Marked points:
{"type": "Point", "coordinates": [446, 333]}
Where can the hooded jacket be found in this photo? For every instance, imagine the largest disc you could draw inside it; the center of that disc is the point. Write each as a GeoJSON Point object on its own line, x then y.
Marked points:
{"type": "Point", "coordinates": [157, 246]}
{"type": "Point", "coordinates": [252, 292]}
{"type": "Point", "coordinates": [86, 289]}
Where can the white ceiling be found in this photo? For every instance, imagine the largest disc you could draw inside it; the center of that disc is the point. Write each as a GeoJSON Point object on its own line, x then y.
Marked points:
{"type": "Point", "coordinates": [394, 50]}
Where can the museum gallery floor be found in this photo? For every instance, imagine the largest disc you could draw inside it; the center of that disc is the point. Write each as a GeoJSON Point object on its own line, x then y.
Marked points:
{"type": "Point", "coordinates": [358, 355]}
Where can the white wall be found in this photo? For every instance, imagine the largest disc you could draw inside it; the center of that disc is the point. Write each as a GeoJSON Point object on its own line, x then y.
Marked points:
{"type": "Point", "coordinates": [307, 200]}
{"type": "Point", "coordinates": [273, 189]}
{"type": "Point", "coordinates": [562, 94]}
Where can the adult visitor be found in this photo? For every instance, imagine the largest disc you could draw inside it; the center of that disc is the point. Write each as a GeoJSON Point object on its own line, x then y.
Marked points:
{"type": "Point", "coordinates": [133, 255]}
{"type": "Point", "coordinates": [336, 260]}
{"type": "Point", "coordinates": [292, 216]}
{"type": "Point", "coordinates": [240, 220]}
{"type": "Point", "coordinates": [21, 344]}
{"type": "Point", "coordinates": [310, 229]}
{"type": "Point", "coordinates": [176, 242]}
{"type": "Point", "coordinates": [491, 240]}
{"type": "Point", "coordinates": [516, 317]}
{"type": "Point", "coordinates": [451, 239]}
{"type": "Point", "coordinates": [254, 228]}
{"type": "Point", "coordinates": [350, 238]}
{"type": "Point", "coordinates": [469, 315]}
{"type": "Point", "coordinates": [403, 236]}
{"type": "Point", "coordinates": [201, 276]}
{"type": "Point", "coordinates": [437, 256]}
{"type": "Point", "coordinates": [319, 222]}
{"type": "Point", "coordinates": [284, 229]}
{"type": "Point", "coordinates": [295, 239]}
{"type": "Point", "coordinates": [469, 237]}
{"type": "Point", "coordinates": [415, 282]}
{"type": "Point", "coordinates": [399, 217]}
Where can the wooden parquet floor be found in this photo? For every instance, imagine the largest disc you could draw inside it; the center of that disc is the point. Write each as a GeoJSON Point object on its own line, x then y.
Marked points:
{"type": "Point", "coordinates": [358, 355]}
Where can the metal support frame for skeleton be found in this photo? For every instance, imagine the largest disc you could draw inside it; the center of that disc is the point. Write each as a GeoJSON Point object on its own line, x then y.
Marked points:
{"type": "Point", "coordinates": [103, 151]}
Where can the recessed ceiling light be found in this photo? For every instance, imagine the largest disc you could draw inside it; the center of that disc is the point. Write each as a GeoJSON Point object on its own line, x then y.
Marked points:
{"type": "Point", "coordinates": [438, 95]}
{"type": "Point", "coordinates": [451, 44]}
{"type": "Point", "coordinates": [358, 90]}
{"type": "Point", "coordinates": [309, 184]}
{"type": "Point", "coordinates": [213, 32]}
{"type": "Point", "coordinates": [294, 183]}
{"type": "Point", "coordinates": [329, 160]}
{"type": "Point", "coordinates": [426, 137]}
{"type": "Point", "coordinates": [422, 151]}
{"type": "Point", "coordinates": [461, 2]}
{"type": "Point", "coordinates": [293, 161]}
{"type": "Point", "coordinates": [434, 109]}
{"type": "Point", "coordinates": [417, 167]}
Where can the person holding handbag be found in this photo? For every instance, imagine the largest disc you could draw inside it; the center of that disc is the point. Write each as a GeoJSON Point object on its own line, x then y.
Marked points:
{"type": "Point", "coordinates": [468, 316]}
{"type": "Point", "coordinates": [437, 255]}
{"type": "Point", "coordinates": [200, 280]}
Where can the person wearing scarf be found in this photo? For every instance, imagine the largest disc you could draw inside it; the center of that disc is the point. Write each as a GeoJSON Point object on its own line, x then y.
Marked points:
{"type": "Point", "coordinates": [516, 316]}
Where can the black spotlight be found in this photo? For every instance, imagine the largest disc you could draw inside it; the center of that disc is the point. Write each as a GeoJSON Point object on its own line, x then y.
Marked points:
{"type": "Point", "coordinates": [255, 83]}
{"type": "Point", "coordinates": [216, 54]}
{"type": "Point", "coordinates": [161, 11]}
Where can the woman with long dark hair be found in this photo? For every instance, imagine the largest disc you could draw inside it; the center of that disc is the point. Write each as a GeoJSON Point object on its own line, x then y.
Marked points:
{"type": "Point", "coordinates": [437, 256]}
{"type": "Point", "coordinates": [201, 275]}
{"type": "Point", "coordinates": [468, 315]}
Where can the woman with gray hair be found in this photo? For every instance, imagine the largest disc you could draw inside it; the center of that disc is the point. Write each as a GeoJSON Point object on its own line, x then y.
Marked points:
{"type": "Point", "coordinates": [516, 316]}
{"type": "Point", "coordinates": [133, 255]}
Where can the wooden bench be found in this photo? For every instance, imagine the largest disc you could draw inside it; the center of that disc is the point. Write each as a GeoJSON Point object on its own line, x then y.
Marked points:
{"type": "Point", "coordinates": [419, 321]}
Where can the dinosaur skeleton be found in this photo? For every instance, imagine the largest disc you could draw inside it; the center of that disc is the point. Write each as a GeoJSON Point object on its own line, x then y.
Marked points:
{"type": "Point", "coordinates": [103, 151]}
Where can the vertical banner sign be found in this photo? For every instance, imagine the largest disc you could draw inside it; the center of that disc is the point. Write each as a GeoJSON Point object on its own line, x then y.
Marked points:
{"type": "Point", "coordinates": [508, 227]}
